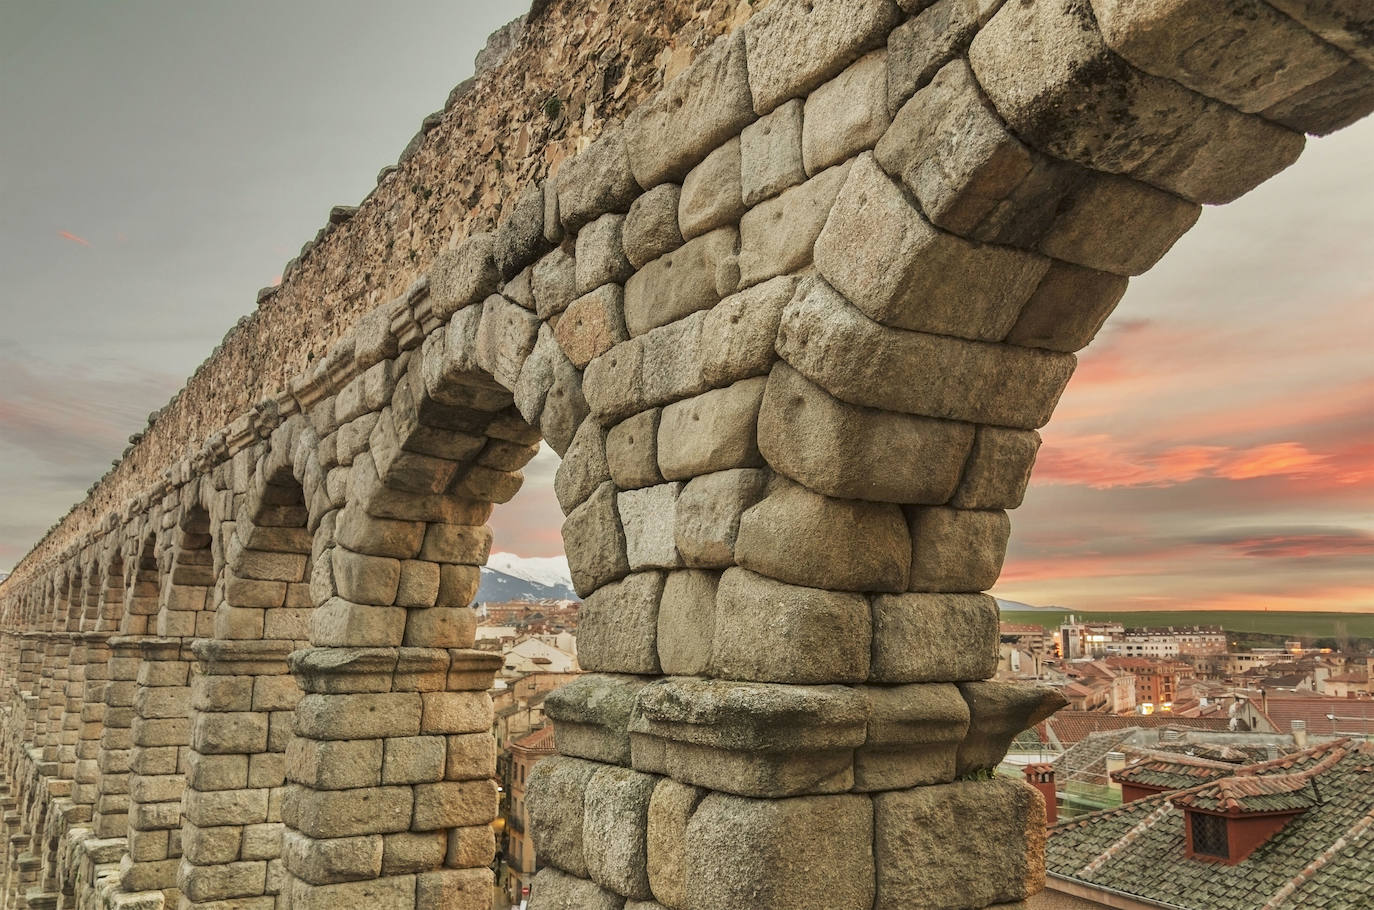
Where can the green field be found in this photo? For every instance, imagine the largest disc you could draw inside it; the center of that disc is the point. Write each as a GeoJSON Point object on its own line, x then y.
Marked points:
{"type": "Point", "coordinates": [1294, 625]}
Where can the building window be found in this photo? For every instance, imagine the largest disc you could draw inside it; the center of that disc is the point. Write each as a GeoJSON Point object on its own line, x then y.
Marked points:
{"type": "Point", "coordinates": [1209, 835]}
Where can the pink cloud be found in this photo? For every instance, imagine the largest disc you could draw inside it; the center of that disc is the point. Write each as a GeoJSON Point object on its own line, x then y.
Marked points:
{"type": "Point", "coordinates": [68, 235]}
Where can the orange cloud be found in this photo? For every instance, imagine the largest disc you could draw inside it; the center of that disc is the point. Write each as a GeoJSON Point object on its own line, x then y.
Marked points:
{"type": "Point", "coordinates": [68, 235]}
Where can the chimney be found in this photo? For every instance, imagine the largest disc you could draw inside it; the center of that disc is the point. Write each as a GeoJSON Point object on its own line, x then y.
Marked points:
{"type": "Point", "coordinates": [1040, 775]}
{"type": "Point", "coordinates": [1300, 734]}
{"type": "Point", "coordinates": [1115, 762]}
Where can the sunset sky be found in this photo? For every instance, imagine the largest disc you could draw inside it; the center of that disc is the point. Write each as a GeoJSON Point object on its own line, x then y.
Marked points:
{"type": "Point", "coordinates": [1215, 449]}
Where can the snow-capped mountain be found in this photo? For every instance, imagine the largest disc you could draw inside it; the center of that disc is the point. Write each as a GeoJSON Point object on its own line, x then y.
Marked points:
{"type": "Point", "coordinates": [510, 577]}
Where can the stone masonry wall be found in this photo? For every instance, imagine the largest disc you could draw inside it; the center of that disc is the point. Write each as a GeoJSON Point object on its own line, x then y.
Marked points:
{"type": "Point", "coordinates": [792, 324]}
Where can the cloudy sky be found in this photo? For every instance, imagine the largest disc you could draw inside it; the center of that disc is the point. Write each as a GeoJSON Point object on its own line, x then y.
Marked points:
{"type": "Point", "coordinates": [160, 161]}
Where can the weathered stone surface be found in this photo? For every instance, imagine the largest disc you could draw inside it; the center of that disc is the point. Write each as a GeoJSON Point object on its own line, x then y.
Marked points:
{"type": "Point", "coordinates": [768, 631]}
{"type": "Point", "coordinates": [1067, 309]}
{"type": "Point", "coordinates": [1063, 91]}
{"type": "Point", "coordinates": [770, 153]}
{"type": "Point", "coordinates": [600, 257]}
{"type": "Point", "coordinates": [632, 451]}
{"type": "Point", "coordinates": [737, 335]}
{"type": "Point", "coordinates": [804, 538]}
{"type": "Point", "coordinates": [618, 626]}
{"type": "Point", "coordinates": [554, 795]}
{"type": "Point", "coordinates": [699, 110]}
{"type": "Point", "coordinates": [613, 383]}
{"type": "Point", "coordinates": [553, 281]}
{"type": "Point", "coordinates": [520, 235]}
{"type": "Point", "coordinates": [914, 734]}
{"type": "Point", "coordinates": [649, 516]}
{"type": "Point", "coordinates": [591, 716]}
{"type": "Point", "coordinates": [1249, 55]}
{"type": "Point", "coordinates": [583, 468]}
{"type": "Point", "coordinates": [592, 325]}
{"type": "Point", "coordinates": [714, 431]}
{"type": "Point", "coordinates": [779, 235]}
{"type": "Point", "coordinates": [686, 622]}
{"type": "Point", "coordinates": [555, 890]}
{"type": "Point", "coordinates": [795, 45]}
{"type": "Point", "coordinates": [846, 115]}
{"type": "Point", "coordinates": [595, 541]}
{"type": "Point", "coordinates": [651, 227]}
{"type": "Point", "coordinates": [674, 356]}
{"type": "Point", "coordinates": [711, 196]}
{"type": "Point", "coordinates": [616, 830]}
{"type": "Point", "coordinates": [752, 739]}
{"type": "Point", "coordinates": [956, 550]}
{"type": "Point", "coordinates": [929, 40]}
{"type": "Point", "coordinates": [693, 277]}
{"type": "Point", "coordinates": [856, 360]}
{"type": "Point", "coordinates": [708, 514]}
{"type": "Point", "coordinates": [1332, 104]}
{"type": "Point", "coordinates": [565, 406]}
{"type": "Point", "coordinates": [880, 252]}
{"type": "Point", "coordinates": [999, 711]}
{"type": "Point", "coordinates": [598, 180]}
{"type": "Point", "coordinates": [853, 452]}
{"type": "Point", "coordinates": [670, 809]}
{"type": "Point", "coordinates": [988, 186]}
{"type": "Point", "coordinates": [505, 337]}
{"type": "Point", "coordinates": [934, 638]}
{"type": "Point", "coordinates": [924, 851]}
{"type": "Point", "coordinates": [465, 276]}
{"type": "Point", "coordinates": [743, 854]}
{"type": "Point", "coordinates": [998, 469]}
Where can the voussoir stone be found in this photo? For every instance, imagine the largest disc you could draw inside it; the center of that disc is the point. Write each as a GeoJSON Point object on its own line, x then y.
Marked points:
{"type": "Point", "coordinates": [595, 541]}
{"type": "Point", "coordinates": [857, 360]}
{"type": "Point", "coordinates": [854, 452]}
{"type": "Point", "coordinates": [651, 226]}
{"type": "Point", "coordinates": [805, 538]}
{"type": "Point", "coordinates": [881, 253]}
{"type": "Point", "coordinates": [1052, 78]}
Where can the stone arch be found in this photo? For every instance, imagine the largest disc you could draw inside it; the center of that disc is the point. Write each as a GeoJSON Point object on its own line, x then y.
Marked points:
{"type": "Point", "coordinates": [409, 467]}
{"type": "Point", "coordinates": [243, 695]}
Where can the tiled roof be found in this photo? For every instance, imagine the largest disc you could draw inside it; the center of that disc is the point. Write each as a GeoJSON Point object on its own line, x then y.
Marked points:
{"type": "Point", "coordinates": [1322, 858]}
{"type": "Point", "coordinates": [1172, 771]}
{"type": "Point", "coordinates": [1353, 715]}
{"type": "Point", "coordinates": [540, 742]}
{"type": "Point", "coordinates": [1072, 726]}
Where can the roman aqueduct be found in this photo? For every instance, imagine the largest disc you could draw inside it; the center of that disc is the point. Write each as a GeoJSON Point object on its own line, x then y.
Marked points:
{"type": "Point", "coordinates": [789, 286]}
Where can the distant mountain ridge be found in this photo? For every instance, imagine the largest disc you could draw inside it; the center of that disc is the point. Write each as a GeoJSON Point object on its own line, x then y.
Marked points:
{"type": "Point", "coordinates": [1016, 605]}
{"type": "Point", "coordinates": [508, 577]}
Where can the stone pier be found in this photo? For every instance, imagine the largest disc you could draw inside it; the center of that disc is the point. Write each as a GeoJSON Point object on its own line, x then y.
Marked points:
{"type": "Point", "coordinates": [790, 288]}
